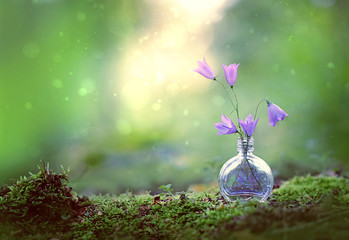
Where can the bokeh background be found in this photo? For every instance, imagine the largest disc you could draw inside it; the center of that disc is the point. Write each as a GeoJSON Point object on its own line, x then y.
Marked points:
{"type": "Point", "coordinates": [106, 88]}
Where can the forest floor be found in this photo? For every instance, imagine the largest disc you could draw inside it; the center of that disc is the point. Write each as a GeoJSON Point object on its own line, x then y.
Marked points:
{"type": "Point", "coordinates": [43, 206]}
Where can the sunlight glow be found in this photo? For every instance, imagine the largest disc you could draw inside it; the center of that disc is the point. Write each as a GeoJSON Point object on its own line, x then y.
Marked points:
{"type": "Point", "coordinates": [157, 61]}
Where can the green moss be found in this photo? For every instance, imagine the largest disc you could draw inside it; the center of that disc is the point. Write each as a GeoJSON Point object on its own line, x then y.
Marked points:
{"type": "Point", "coordinates": [42, 206]}
{"type": "Point", "coordinates": [41, 202]}
{"type": "Point", "coordinates": [189, 216]}
{"type": "Point", "coordinates": [309, 190]}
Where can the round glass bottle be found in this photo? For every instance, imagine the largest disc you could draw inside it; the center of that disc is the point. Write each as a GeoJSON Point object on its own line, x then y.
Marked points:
{"type": "Point", "coordinates": [245, 176]}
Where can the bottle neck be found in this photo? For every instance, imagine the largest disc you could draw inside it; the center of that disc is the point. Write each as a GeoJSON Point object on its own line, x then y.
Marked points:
{"type": "Point", "coordinates": [245, 145]}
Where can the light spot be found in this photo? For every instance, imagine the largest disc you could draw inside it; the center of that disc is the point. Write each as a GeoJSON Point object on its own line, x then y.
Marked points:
{"type": "Point", "coordinates": [290, 38]}
{"type": "Point", "coordinates": [82, 92]}
{"type": "Point", "coordinates": [143, 39]}
{"type": "Point", "coordinates": [293, 72]}
{"type": "Point", "coordinates": [331, 65]}
{"type": "Point", "coordinates": [159, 78]}
{"type": "Point", "coordinates": [28, 106]}
{"type": "Point", "coordinates": [186, 112]}
{"type": "Point", "coordinates": [61, 34]}
{"type": "Point", "coordinates": [87, 86]}
{"type": "Point", "coordinates": [186, 143]}
{"type": "Point", "coordinates": [81, 16]}
{"type": "Point", "coordinates": [251, 30]}
{"type": "Point", "coordinates": [156, 106]}
{"type": "Point", "coordinates": [31, 49]}
{"type": "Point", "coordinates": [57, 83]}
{"type": "Point", "coordinates": [135, 96]}
{"type": "Point", "coordinates": [197, 123]}
{"type": "Point", "coordinates": [124, 127]}
{"type": "Point", "coordinates": [66, 99]}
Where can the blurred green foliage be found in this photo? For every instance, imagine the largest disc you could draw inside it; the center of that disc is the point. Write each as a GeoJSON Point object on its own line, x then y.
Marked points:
{"type": "Point", "coordinates": [53, 56]}
{"type": "Point", "coordinates": [59, 97]}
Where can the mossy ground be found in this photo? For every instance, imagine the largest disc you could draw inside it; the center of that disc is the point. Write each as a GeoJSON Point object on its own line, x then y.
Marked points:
{"type": "Point", "coordinates": [42, 206]}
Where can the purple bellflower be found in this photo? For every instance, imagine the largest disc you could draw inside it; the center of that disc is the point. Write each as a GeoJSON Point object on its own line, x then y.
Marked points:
{"type": "Point", "coordinates": [231, 73]}
{"type": "Point", "coordinates": [275, 114]}
{"type": "Point", "coordinates": [249, 125]}
{"type": "Point", "coordinates": [226, 126]}
{"type": "Point", "coordinates": [205, 70]}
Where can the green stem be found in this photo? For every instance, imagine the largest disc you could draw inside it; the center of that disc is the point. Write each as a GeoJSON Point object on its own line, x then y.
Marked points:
{"type": "Point", "coordinates": [245, 153]}
{"type": "Point", "coordinates": [237, 175]}
{"type": "Point", "coordinates": [237, 102]}
{"type": "Point", "coordinates": [237, 108]}
{"type": "Point", "coordinates": [249, 166]}
{"type": "Point", "coordinates": [253, 174]}
{"type": "Point", "coordinates": [227, 94]}
{"type": "Point", "coordinates": [255, 114]}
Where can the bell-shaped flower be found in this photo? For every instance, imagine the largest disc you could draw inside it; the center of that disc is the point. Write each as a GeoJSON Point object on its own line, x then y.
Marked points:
{"type": "Point", "coordinates": [205, 70]}
{"type": "Point", "coordinates": [226, 126]}
{"type": "Point", "coordinates": [275, 114]}
{"type": "Point", "coordinates": [248, 125]}
{"type": "Point", "coordinates": [230, 73]}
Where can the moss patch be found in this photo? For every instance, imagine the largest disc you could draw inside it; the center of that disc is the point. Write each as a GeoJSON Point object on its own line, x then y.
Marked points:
{"type": "Point", "coordinates": [42, 203]}
{"type": "Point", "coordinates": [42, 206]}
{"type": "Point", "coordinates": [309, 190]}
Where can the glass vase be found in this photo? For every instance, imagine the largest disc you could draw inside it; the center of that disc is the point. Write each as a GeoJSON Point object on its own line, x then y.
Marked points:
{"type": "Point", "coordinates": [245, 176]}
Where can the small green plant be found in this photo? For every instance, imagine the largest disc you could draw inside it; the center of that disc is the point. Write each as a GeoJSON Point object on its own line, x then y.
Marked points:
{"type": "Point", "coordinates": [167, 189]}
